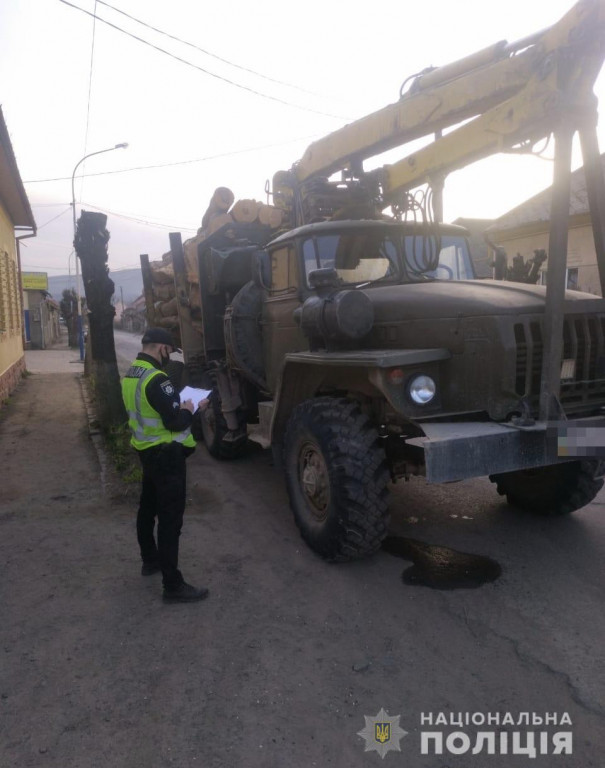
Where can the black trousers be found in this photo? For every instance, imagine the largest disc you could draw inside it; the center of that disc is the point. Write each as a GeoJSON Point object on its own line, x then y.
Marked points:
{"type": "Point", "coordinates": [163, 497]}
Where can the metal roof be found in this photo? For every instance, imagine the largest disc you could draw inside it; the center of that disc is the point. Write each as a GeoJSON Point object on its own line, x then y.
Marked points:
{"type": "Point", "coordinates": [537, 209]}
{"type": "Point", "coordinates": [12, 192]}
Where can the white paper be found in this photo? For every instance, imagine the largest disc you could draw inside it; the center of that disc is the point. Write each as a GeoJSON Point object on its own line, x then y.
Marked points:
{"type": "Point", "coordinates": [196, 395]}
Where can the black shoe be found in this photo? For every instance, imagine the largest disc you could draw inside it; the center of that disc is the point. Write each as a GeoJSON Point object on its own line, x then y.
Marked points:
{"type": "Point", "coordinates": [185, 593]}
{"type": "Point", "coordinates": [148, 569]}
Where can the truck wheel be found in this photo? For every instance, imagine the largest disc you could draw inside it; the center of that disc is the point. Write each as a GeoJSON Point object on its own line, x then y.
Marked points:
{"type": "Point", "coordinates": [336, 477]}
{"type": "Point", "coordinates": [214, 430]}
{"type": "Point", "coordinates": [555, 490]}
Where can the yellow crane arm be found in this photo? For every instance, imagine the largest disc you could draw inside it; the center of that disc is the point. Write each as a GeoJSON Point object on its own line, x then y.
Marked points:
{"type": "Point", "coordinates": [526, 118]}
{"type": "Point", "coordinates": [518, 90]}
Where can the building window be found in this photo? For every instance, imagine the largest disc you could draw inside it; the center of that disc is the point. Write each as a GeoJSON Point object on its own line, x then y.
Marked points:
{"type": "Point", "coordinates": [571, 278]}
{"type": "Point", "coordinates": [4, 310]}
{"type": "Point", "coordinates": [9, 298]}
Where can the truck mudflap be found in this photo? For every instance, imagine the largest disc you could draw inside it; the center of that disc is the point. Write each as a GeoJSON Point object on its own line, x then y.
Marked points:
{"type": "Point", "coordinates": [461, 450]}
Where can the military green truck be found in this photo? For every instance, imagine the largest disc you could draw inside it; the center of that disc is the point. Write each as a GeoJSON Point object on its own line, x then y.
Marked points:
{"type": "Point", "coordinates": [359, 347]}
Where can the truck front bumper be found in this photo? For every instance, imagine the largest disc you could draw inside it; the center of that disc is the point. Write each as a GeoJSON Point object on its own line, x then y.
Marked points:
{"type": "Point", "coordinates": [460, 450]}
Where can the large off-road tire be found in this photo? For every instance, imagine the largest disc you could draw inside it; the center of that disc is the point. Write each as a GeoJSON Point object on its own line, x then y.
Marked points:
{"type": "Point", "coordinates": [555, 490]}
{"type": "Point", "coordinates": [214, 428]}
{"type": "Point", "coordinates": [336, 477]}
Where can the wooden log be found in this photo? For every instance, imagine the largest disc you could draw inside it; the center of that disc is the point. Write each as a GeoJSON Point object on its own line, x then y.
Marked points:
{"type": "Point", "coordinates": [191, 263]}
{"type": "Point", "coordinates": [163, 291]}
{"type": "Point", "coordinates": [220, 202]}
{"type": "Point", "coordinates": [171, 323]}
{"type": "Point", "coordinates": [161, 273]}
{"type": "Point", "coordinates": [195, 300]}
{"type": "Point", "coordinates": [217, 222]}
{"type": "Point", "coordinates": [223, 198]}
{"type": "Point", "coordinates": [168, 308]}
{"type": "Point", "coordinates": [270, 216]}
{"type": "Point", "coordinates": [245, 211]}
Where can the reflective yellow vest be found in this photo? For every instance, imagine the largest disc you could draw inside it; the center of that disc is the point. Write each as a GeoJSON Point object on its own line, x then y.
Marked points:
{"type": "Point", "coordinates": [144, 421]}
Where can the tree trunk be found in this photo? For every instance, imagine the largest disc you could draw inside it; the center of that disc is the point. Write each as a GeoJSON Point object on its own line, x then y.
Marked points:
{"type": "Point", "coordinates": [91, 248]}
{"type": "Point", "coordinates": [69, 310]}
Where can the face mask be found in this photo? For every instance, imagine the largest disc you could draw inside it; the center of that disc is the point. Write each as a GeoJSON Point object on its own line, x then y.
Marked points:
{"type": "Point", "coordinates": [164, 360]}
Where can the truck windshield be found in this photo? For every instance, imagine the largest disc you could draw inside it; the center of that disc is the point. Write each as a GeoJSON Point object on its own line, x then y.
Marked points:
{"type": "Point", "coordinates": [360, 256]}
{"type": "Point", "coordinates": [357, 256]}
{"type": "Point", "coordinates": [454, 260]}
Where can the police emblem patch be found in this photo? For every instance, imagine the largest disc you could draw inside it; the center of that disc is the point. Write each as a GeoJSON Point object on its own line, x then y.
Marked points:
{"type": "Point", "coordinates": [167, 387]}
{"type": "Point", "coordinates": [382, 733]}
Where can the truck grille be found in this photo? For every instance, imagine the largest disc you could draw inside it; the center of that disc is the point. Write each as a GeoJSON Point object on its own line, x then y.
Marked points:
{"type": "Point", "coordinates": [583, 341]}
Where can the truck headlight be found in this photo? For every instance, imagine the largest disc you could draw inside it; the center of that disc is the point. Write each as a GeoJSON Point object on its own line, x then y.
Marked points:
{"type": "Point", "coordinates": [422, 389]}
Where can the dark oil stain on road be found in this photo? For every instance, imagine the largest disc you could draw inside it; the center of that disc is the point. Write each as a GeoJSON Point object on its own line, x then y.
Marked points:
{"type": "Point", "coordinates": [441, 567]}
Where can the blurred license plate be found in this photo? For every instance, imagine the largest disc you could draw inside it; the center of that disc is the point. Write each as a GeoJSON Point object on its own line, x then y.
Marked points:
{"type": "Point", "coordinates": [578, 439]}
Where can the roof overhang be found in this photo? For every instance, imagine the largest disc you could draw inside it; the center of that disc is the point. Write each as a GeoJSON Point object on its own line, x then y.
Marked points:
{"type": "Point", "coordinates": [12, 192]}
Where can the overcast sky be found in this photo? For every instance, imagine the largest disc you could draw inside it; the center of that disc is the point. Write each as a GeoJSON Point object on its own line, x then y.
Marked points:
{"type": "Point", "coordinates": [274, 77]}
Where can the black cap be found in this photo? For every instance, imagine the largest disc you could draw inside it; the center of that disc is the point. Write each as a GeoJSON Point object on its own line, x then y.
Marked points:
{"type": "Point", "coordinates": [159, 336]}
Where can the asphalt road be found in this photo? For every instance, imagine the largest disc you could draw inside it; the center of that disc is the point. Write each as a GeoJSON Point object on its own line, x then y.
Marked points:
{"type": "Point", "coordinates": [128, 345]}
{"type": "Point", "coordinates": [316, 649]}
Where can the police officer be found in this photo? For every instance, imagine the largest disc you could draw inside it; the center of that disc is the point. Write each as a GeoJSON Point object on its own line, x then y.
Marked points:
{"type": "Point", "coordinates": [161, 434]}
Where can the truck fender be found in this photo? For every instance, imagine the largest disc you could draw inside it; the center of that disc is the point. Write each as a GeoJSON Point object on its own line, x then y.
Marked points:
{"type": "Point", "coordinates": [305, 373]}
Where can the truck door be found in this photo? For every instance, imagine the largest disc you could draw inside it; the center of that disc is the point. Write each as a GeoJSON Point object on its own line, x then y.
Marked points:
{"type": "Point", "coordinates": [281, 333]}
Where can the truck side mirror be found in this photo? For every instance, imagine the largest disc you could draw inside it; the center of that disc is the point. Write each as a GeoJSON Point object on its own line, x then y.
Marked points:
{"type": "Point", "coordinates": [261, 273]}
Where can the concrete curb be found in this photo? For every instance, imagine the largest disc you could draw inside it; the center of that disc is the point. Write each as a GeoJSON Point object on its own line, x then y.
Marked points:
{"type": "Point", "coordinates": [94, 432]}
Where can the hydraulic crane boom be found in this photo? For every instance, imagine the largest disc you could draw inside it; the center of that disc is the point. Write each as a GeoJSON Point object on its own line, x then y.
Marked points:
{"type": "Point", "coordinates": [510, 94]}
{"type": "Point", "coordinates": [565, 62]}
{"type": "Point", "coordinates": [504, 98]}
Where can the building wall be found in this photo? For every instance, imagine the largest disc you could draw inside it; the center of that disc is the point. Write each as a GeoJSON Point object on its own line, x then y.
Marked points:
{"type": "Point", "coordinates": [42, 320]}
{"type": "Point", "coordinates": [12, 359]}
{"type": "Point", "coordinates": [580, 251]}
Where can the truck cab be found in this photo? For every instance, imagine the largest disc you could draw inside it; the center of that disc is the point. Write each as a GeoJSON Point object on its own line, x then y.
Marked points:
{"type": "Point", "coordinates": [348, 255]}
{"type": "Point", "coordinates": [367, 348]}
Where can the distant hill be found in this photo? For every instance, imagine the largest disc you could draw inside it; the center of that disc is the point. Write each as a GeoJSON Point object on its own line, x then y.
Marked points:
{"type": "Point", "coordinates": [128, 282]}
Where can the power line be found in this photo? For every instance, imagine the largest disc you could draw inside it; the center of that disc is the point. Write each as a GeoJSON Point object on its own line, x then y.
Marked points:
{"type": "Point", "coordinates": [48, 205]}
{"type": "Point", "coordinates": [202, 69]}
{"type": "Point", "coordinates": [46, 267]}
{"type": "Point", "coordinates": [53, 218]}
{"type": "Point", "coordinates": [124, 269]}
{"type": "Point", "coordinates": [172, 227]}
{"type": "Point", "coordinates": [207, 53]}
{"type": "Point", "coordinates": [178, 162]}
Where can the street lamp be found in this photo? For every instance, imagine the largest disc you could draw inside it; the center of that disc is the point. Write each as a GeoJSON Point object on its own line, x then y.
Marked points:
{"type": "Point", "coordinates": [73, 203]}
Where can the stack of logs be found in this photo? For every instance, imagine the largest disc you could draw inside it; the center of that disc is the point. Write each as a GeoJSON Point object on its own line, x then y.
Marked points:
{"type": "Point", "coordinates": [221, 211]}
